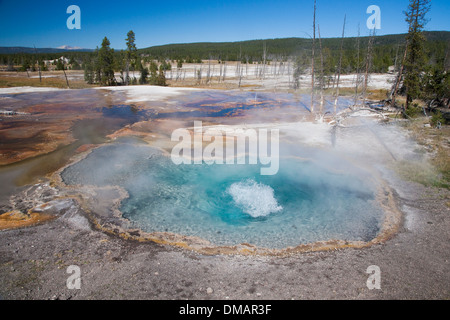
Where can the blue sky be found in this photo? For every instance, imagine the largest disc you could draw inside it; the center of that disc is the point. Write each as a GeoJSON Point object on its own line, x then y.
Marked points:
{"type": "Point", "coordinates": [43, 24]}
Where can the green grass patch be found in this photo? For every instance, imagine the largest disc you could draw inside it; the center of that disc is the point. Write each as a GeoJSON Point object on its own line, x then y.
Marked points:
{"type": "Point", "coordinates": [423, 173]}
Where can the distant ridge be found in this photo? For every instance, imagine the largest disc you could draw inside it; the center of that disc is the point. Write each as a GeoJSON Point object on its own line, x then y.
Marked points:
{"type": "Point", "coordinates": [12, 50]}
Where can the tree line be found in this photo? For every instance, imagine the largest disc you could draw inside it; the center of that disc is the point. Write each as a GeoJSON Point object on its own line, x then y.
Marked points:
{"type": "Point", "coordinates": [386, 52]}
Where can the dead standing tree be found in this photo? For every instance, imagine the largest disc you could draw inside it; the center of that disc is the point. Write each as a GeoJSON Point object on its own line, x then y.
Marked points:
{"type": "Point", "coordinates": [322, 76]}
{"type": "Point", "coordinates": [262, 70]}
{"type": "Point", "coordinates": [264, 61]}
{"type": "Point", "coordinates": [368, 65]}
{"type": "Point", "coordinates": [340, 66]}
{"type": "Point", "coordinates": [39, 66]}
{"type": "Point", "coordinates": [65, 75]}
{"type": "Point", "coordinates": [399, 77]}
{"type": "Point", "coordinates": [224, 70]}
{"type": "Point", "coordinates": [312, 58]}
{"type": "Point", "coordinates": [358, 76]}
{"type": "Point", "coordinates": [220, 69]}
{"type": "Point", "coordinates": [208, 74]}
{"type": "Point", "coordinates": [239, 67]}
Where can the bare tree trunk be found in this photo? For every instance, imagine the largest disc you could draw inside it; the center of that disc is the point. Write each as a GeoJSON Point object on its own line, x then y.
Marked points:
{"type": "Point", "coordinates": [208, 76]}
{"type": "Point", "coordinates": [340, 66]}
{"type": "Point", "coordinates": [39, 67]}
{"type": "Point", "coordinates": [289, 73]}
{"type": "Point", "coordinates": [240, 77]}
{"type": "Point", "coordinates": [67, 81]}
{"type": "Point", "coordinates": [179, 71]}
{"type": "Point", "coordinates": [238, 66]}
{"type": "Point", "coordinates": [246, 66]}
{"type": "Point", "coordinates": [200, 74]}
{"type": "Point", "coordinates": [224, 71]}
{"type": "Point", "coordinates": [399, 77]}
{"type": "Point", "coordinates": [312, 57]}
{"type": "Point", "coordinates": [264, 61]}
{"type": "Point", "coordinates": [357, 68]}
{"type": "Point", "coordinates": [321, 74]}
{"type": "Point", "coordinates": [368, 62]}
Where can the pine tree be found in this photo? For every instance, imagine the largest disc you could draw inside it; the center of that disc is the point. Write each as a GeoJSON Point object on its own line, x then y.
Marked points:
{"type": "Point", "coordinates": [59, 65]}
{"type": "Point", "coordinates": [143, 70]}
{"type": "Point", "coordinates": [25, 65]}
{"type": "Point", "coordinates": [161, 77]}
{"type": "Point", "coordinates": [106, 64]}
{"type": "Point", "coordinates": [298, 69]}
{"type": "Point", "coordinates": [89, 72]}
{"type": "Point", "coordinates": [153, 73]}
{"type": "Point", "coordinates": [75, 64]}
{"type": "Point", "coordinates": [436, 87]}
{"type": "Point", "coordinates": [130, 53]}
{"type": "Point", "coordinates": [415, 58]}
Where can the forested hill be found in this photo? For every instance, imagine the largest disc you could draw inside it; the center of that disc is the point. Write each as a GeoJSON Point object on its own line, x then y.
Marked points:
{"type": "Point", "coordinates": [386, 51]}
{"type": "Point", "coordinates": [253, 49]}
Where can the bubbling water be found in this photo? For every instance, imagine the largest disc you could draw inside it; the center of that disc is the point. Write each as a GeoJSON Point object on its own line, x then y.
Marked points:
{"type": "Point", "coordinates": [254, 198]}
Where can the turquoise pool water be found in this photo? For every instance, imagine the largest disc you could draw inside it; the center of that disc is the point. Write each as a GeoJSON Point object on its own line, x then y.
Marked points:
{"type": "Point", "coordinates": [231, 204]}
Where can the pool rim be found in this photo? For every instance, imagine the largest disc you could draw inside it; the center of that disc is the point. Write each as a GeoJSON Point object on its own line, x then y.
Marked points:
{"type": "Point", "coordinates": [114, 223]}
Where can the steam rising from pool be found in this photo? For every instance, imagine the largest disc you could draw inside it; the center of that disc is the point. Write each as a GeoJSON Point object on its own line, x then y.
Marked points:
{"type": "Point", "coordinates": [231, 204]}
{"type": "Point", "coordinates": [254, 198]}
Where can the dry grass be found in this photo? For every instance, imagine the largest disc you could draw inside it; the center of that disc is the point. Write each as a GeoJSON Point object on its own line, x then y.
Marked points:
{"type": "Point", "coordinates": [422, 173]}
{"type": "Point", "coordinates": [8, 80]}
{"type": "Point", "coordinates": [377, 94]}
{"type": "Point", "coordinates": [380, 94]}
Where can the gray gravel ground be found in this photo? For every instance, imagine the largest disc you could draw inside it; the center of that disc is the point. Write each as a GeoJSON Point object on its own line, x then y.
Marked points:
{"type": "Point", "coordinates": [414, 265]}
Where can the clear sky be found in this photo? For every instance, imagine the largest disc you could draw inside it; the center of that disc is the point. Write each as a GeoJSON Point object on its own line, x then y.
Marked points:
{"type": "Point", "coordinates": [43, 23]}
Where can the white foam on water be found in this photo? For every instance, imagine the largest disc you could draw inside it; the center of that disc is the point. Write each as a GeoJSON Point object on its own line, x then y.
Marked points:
{"type": "Point", "coordinates": [254, 198]}
{"type": "Point", "coordinates": [144, 93]}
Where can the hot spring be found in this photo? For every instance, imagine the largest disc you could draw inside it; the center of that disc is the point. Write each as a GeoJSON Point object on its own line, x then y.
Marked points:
{"type": "Point", "coordinates": [308, 200]}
